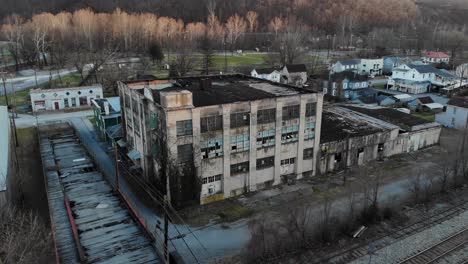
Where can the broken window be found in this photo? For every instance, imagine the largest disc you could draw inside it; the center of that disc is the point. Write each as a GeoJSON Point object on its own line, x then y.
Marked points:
{"type": "Point", "coordinates": [337, 157]}
{"type": "Point", "coordinates": [265, 163]}
{"type": "Point", "coordinates": [290, 112]}
{"type": "Point", "coordinates": [211, 148]}
{"type": "Point", "coordinates": [289, 132]}
{"type": "Point", "coordinates": [266, 116]}
{"type": "Point", "coordinates": [360, 150]}
{"type": "Point", "coordinates": [240, 143]}
{"type": "Point", "coordinates": [266, 138]}
{"type": "Point", "coordinates": [380, 147]}
{"type": "Point", "coordinates": [211, 123]}
{"type": "Point", "coordinates": [240, 120]}
{"type": "Point", "coordinates": [185, 153]}
{"type": "Point", "coordinates": [239, 168]}
{"type": "Point", "coordinates": [308, 153]}
{"type": "Point", "coordinates": [211, 179]}
{"type": "Point", "coordinates": [309, 130]}
{"type": "Point", "coordinates": [289, 161]}
{"type": "Point", "coordinates": [184, 128]}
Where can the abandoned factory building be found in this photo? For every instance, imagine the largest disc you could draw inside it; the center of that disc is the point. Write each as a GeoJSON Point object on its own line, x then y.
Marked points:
{"type": "Point", "coordinates": [353, 135]}
{"type": "Point", "coordinates": [236, 133]}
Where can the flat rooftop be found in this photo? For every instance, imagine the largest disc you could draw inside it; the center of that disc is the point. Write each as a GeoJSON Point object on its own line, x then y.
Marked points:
{"type": "Point", "coordinates": [337, 127]}
{"type": "Point", "coordinates": [392, 116]}
{"type": "Point", "coordinates": [224, 89]}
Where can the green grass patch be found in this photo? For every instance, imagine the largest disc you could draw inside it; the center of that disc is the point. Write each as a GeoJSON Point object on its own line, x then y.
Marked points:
{"type": "Point", "coordinates": [71, 79]}
{"type": "Point", "coordinates": [234, 213]}
{"type": "Point", "coordinates": [379, 86]}
{"type": "Point", "coordinates": [20, 98]}
{"type": "Point", "coordinates": [427, 116]}
{"type": "Point", "coordinates": [92, 120]}
{"type": "Point", "coordinates": [25, 134]}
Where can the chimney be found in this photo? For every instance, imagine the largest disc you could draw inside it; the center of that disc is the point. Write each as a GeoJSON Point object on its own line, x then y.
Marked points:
{"type": "Point", "coordinates": [205, 84]}
{"type": "Point", "coordinates": [106, 107]}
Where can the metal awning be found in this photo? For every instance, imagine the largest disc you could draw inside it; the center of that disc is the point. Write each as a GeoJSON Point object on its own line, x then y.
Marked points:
{"type": "Point", "coordinates": [134, 154]}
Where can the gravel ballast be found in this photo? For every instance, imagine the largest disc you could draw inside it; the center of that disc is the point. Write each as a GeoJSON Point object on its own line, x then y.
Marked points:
{"type": "Point", "coordinates": [417, 242]}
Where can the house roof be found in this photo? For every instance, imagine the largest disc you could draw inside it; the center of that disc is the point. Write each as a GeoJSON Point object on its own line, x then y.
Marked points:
{"type": "Point", "coordinates": [352, 76]}
{"type": "Point", "coordinates": [265, 70]}
{"type": "Point", "coordinates": [402, 96]}
{"type": "Point", "coordinates": [436, 54]}
{"type": "Point", "coordinates": [337, 127]}
{"type": "Point", "coordinates": [434, 106]}
{"type": "Point", "coordinates": [426, 68]}
{"type": "Point", "coordinates": [350, 62]}
{"type": "Point", "coordinates": [392, 116]}
{"type": "Point", "coordinates": [459, 101]}
{"type": "Point", "coordinates": [296, 67]}
{"type": "Point", "coordinates": [425, 100]}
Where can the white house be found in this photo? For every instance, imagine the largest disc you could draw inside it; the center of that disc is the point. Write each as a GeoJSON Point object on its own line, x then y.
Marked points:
{"type": "Point", "coordinates": [416, 78]}
{"type": "Point", "coordinates": [435, 57]}
{"type": "Point", "coordinates": [63, 98]}
{"type": "Point", "coordinates": [455, 115]}
{"type": "Point", "coordinates": [269, 74]}
{"type": "Point", "coordinates": [345, 65]}
{"type": "Point", "coordinates": [295, 74]}
{"type": "Point", "coordinates": [371, 66]}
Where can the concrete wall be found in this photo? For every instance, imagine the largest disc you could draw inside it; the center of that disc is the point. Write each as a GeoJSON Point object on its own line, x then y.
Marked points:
{"type": "Point", "coordinates": [55, 99]}
{"type": "Point", "coordinates": [453, 117]}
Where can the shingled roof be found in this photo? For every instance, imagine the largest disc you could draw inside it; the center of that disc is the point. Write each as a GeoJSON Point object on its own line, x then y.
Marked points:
{"type": "Point", "coordinates": [459, 101]}
{"type": "Point", "coordinates": [296, 67]}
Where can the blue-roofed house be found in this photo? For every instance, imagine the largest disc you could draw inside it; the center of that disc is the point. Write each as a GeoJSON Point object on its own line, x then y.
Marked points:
{"type": "Point", "coordinates": [416, 78]}
{"type": "Point", "coordinates": [107, 114]}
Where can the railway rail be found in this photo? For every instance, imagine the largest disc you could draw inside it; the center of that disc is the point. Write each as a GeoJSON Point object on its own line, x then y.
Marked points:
{"type": "Point", "coordinates": [394, 235]}
{"type": "Point", "coordinates": [439, 250]}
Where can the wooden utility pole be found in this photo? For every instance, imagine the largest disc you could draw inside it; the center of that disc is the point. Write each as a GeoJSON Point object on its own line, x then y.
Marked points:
{"type": "Point", "coordinates": [166, 232]}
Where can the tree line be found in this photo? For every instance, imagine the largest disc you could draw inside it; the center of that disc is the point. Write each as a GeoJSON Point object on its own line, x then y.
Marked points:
{"type": "Point", "coordinates": [270, 25]}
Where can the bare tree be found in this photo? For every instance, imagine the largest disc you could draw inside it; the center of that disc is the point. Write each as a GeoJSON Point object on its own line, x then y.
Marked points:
{"type": "Point", "coordinates": [444, 175]}
{"type": "Point", "coordinates": [235, 27]}
{"type": "Point", "coordinates": [290, 45]}
{"type": "Point", "coordinates": [252, 19]}
{"type": "Point", "coordinates": [13, 29]}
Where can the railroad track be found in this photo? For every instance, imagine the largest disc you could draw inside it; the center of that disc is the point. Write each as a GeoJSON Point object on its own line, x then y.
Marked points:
{"type": "Point", "coordinates": [439, 250]}
{"type": "Point", "coordinates": [393, 235]}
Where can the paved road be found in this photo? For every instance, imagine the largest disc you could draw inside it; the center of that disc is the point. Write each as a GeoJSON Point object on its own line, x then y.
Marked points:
{"type": "Point", "coordinates": [25, 82]}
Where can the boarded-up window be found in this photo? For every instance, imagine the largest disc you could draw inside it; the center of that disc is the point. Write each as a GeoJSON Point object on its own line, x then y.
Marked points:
{"type": "Point", "coordinates": [308, 153]}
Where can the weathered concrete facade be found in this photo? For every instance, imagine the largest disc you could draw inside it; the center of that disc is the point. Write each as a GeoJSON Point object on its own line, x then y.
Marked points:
{"type": "Point", "coordinates": [353, 136]}
{"type": "Point", "coordinates": [242, 134]}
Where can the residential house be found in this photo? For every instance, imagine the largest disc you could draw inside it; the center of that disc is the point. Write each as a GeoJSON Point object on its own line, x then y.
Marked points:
{"type": "Point", "coordinates": [295, 74]}
{"type": "Point", "coordinates": [106, 115]}
{"type": "Point", "coordinates": [389, 63]}
{"type": "Point", "coordinates": [269, 74]}
{"type": "Point", "coordinates": [416, 78]}
{"type": "Point", "coordinates": [345, 65]}
{"type": "Point", "coordinates": [64, 98]}
{"type": "Point", "coordinates": [435, 57]}
{"type": "Point", "coordinates": [455, 114]}
{"type": "Point", "coordinates": [346, 85]}
{"type": "Point", "coordinates": [372, 67]}
{"type": "Point", "coordinates": [229, 134]}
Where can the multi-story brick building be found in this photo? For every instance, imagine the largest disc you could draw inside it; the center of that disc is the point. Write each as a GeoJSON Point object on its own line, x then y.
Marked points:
{"type": "Point", "coordinates": [236, 133]}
